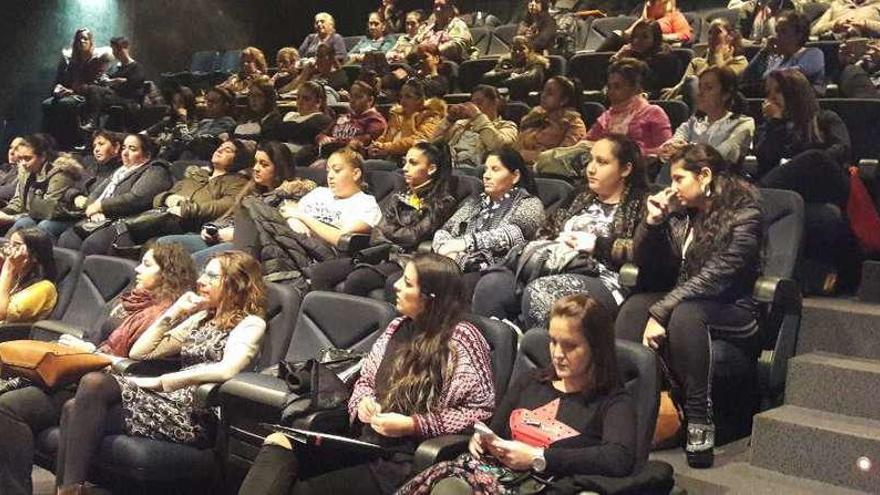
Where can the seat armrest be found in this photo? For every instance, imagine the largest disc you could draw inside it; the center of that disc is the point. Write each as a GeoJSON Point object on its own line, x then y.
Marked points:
{"type": "Point", "coordinates": [15, 331]}
{"type": "Point", "coordinates": [47, 330]}
{"type": "Point", "coordinates": [207, 395]}
{"type": "Point", "coordinates": [778, 291]}
{"type": "Point", "coordinates": [151, 367]}
{"type": "Point", "coordinates": [256, 387]}
{"type": "Point", "coordinates": [438, 449]}
{"type": "Point", "coordinates": [781, 326]}
{"type": "Point", "coordinates": [352, 243]}
{"type": "Point", "coordinates": [629, 275]}
{"type": "Point", "coordinates": [425, 247]}
{"type": "Point", "coordinates": [334, 421]}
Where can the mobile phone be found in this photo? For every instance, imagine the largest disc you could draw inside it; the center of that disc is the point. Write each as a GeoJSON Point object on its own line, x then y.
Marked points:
{"type": "Point", "coordinates": [211, 229]}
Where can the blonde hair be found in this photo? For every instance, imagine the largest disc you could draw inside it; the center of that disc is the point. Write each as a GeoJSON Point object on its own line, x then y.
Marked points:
{"type": "Point", "coordinates": [257, 56]}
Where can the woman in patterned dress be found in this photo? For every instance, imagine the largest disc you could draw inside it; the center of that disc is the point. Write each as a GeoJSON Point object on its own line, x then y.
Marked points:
{"type": "Point", "coordinates": [598, 227]}
{"type": "Point", "coordinates": [216, 331]}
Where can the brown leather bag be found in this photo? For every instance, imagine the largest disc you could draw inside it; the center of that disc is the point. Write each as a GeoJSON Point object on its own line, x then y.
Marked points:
{"type": "Point", "coordinates": [47, 364]}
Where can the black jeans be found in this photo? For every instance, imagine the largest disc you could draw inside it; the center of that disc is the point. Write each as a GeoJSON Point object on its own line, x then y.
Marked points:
{"type": "Point", "coordinates": [24, 413]}
{"type": "Point", "coordinates": [276, 472]}
{"type": "Point", "coordinates": [813, 174]}
{"type": "Point", "coordinates": [689, 334]}
{"type": "Point", "coordinates": [98, 242]}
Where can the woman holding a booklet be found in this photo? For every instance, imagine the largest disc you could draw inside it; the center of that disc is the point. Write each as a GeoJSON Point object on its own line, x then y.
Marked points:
{"type": "Point", "coordinates": [428, 374]}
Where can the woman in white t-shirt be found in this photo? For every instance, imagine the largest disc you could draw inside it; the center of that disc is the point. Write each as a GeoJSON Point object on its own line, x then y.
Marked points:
{"type": "Point", "coordinates": [298, 234]}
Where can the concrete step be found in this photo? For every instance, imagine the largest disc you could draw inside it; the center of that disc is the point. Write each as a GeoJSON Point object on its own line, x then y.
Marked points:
{"type": "Point", "coordinates": [732, 474]}
{"type": "Point", "coordinates": [834, 383]}
{"type": "Point", "coordinates": [819, 445]}
{"type": "Point", "coordinates": [840, 326]}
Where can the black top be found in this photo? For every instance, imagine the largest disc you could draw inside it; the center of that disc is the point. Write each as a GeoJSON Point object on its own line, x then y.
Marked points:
{"type": "Point", "coordinates": [133, 87]}
{"type": "Point", "coordinates": [776, 139]}
{"type": "Point", "coordinates": [606, 443]}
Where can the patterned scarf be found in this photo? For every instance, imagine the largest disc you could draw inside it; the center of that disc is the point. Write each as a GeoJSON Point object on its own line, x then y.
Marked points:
{"type": "Point", "coordinates": [139, 309]}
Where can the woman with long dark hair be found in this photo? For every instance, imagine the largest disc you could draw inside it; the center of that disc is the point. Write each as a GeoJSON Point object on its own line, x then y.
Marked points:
{"type": "Point", "coordinates": [216, 332]}
{"type": "Point", "coordinates": [593, 235]}
{"type": "Point", "coordinates": [579, 393]}
{"type": "Point", "coordinates": [703, 234]}
{"type": "Point", "coordinates": [27, 278]}
{"type": "Point", "coordinates": [538, 26]}
{"type": "Point", "coordinates": [427, 375]}
{"type": "Point", "coordinates": [799, 146]}
{"type": "Point", "coordinates": [555, 123]}
{"type": "Point", "coordinates": [647, 45]}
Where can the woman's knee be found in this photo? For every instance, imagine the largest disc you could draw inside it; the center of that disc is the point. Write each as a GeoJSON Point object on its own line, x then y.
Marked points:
{"type": "Point", "coordinates": [95, 386]}
{"type": "Point", "coordinates": [686, 318]}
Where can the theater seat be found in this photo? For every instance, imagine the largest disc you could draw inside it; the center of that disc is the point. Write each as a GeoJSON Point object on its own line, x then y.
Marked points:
{"type": "Point", "coordinates": [600, 29]}
{"type": "Point", "coordinates": [591, 69]}
{"type": "Point", "coordinates": [553, 193]}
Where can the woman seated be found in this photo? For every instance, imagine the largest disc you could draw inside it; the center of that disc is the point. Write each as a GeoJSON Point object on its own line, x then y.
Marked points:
{"type": "Point", "coordinates": [286, 62]}
{"type": "Point", "coordinates": [216, 332]}
{"type": "Point", "coordinates": [406, 42]}
{"type": "Point", "coordinates": [391, 15]}
{"type": "Point", "coordinates": [674, 27]}
{"type": "Point", "coordinates": [291, 238]}
{"type": "Point", "coordinates": [181, 116]}
{"type": "Point", "coordinates": [724, 50]}
{"type": "Point", "coordinates": [703, 234]}
{"type": "Point", "coordinates": [9, 171]}
{"type": "Point", "coordinates": [414, 119]}
{"type": "Point", "coordinates": [376, 40]}
{"type": "Point", "coordinates": [325, 34]}
{"type": "Point", "coordinates": [429, 374]}
{"type": "Point", "coordinates": [538, 26]}
{"type": "Point", "coordinates": [204, 195]}
{"type": "Point", "coordinates": [45, 184]}
{"type": "Point", "coordinates": [445, 30]}
{"type": "Point", "coordinates": [799, 146]}
{"type": "Point", "coordinates": [272, 180]}
{"type": "Point", "coordinates": [485, 227]}
{"type": "Point", "coordinates": [720, 121]}
{"type": "Point", "coordinates": [521, 72]}
{"type": "Point", "coordinates": [106, 148]}
{"type": "Point", "coordinates": [262, 120]}
{"type": "Point", "coordinates": [27, 277]}
{"type": "Point", "coordinates": [129, 191]}
{"type": "Point", "coordinates": [253, 67]}
{"type": "Point", "coordinates": [300, 129]}
{"type": "Point", "coordinates": [860, 76]}
{"type": "Point", "coordinates": [199, 140]}
{"type": "Point", "coordinates": [325, 70]}
{"type": "Point", "coordinates": [164, 274]}
{"type": "Point", "coordinates": [787, 51]}
{"type": "Point", "coordinates": [409, 217]}
{"type": "Point", "coordinates": [630, 113]}
{"type": "Point", "coordinates": [647, 45]}
{"type": "Point", "coordinates": [580, 390]}
{"type": "Point", "coordinates": [590, 240]}
{"type": "Point", "coordinates": [358, 128]}
{"type": "Point", "coordinates": [473, 130]}
{"type": "Point", "coordinates": [555, 123]}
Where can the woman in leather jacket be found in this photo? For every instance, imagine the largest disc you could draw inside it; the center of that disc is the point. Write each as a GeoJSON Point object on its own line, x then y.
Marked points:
{"type": "Point", "coordinates": [703, 233]}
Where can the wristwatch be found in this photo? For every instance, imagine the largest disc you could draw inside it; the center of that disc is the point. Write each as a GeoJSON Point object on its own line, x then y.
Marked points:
{"type": "Point", "coordinates": [539, 464]}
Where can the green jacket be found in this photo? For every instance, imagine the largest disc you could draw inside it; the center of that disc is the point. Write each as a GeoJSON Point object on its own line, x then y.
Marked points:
{"type": "Point", "coordinates": [206, 199]}
{"type": "Point", "coordinates": [51, 183]}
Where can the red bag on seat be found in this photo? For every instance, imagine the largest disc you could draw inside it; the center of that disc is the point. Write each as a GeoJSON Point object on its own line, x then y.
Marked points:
{"type": "Point", "coordinates": [863, 217]}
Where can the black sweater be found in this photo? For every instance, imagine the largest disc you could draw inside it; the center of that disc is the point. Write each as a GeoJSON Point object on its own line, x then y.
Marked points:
{"type": "Point", "coordinates": [776, 139]}
{"type": "Point", "coordinates": [606, 445]}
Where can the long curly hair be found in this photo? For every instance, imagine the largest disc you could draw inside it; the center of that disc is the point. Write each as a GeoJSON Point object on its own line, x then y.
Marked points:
{"type": "Point", "coordinates": [420, 369]}
{"type": "Point", "coordinates": [244, 292]}
{"type": "Point", "coordinates": [727, 193]}
{"type": "Point", "coordinates": [177, 272]}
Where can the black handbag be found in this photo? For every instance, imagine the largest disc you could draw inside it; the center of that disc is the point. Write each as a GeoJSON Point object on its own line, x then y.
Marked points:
{"type": "Point", "coordinates": [152, 223]}
{"type": "Point", "coordinates": [85, 228]}
{"type": "Point", "coordinates": [318, 384]}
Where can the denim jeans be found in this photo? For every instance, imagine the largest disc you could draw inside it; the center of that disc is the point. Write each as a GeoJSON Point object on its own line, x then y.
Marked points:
{"type": "Point", "coordinates": [54, 227]}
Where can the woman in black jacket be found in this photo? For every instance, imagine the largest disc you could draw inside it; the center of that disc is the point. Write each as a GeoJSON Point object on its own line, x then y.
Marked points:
{"type": "Point", "coordinates": [409, 217]}
{"type": "Point", "coordinates": [705, 234]}
{"type": "Point", "coordinates": [538, 26]}
{"type": "Point", "coordinates": [129, 191]}
{"type": "Point", "coordinates": [799, 146]}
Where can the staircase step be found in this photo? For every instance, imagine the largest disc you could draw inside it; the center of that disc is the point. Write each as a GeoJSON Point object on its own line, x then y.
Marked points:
{"type": "Point", "coordinates": [732, 474]}
{"type": "Point", "coordinates": [840, 326]}
{"type": "Point", "coordinates": [818, 445]}
{"type": "Point", "coordinates": [834, 383]}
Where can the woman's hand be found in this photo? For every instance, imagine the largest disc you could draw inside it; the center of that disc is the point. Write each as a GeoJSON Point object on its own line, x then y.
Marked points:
{"type": "Point", "coordinates": [177, 211]}
{"type": "Point", "coordinates": [226, 234]}
{"type": "Point", "coordinates": [76, 343]}
{"type": "Point", "coordinates": [173, 200]}
{"type": "Point", "coordinates": [468, 110]}
{"type": "Point", "coordinates": [393, 425]}
{"type": "Point", "coordinates": [475, 446]}
{"type": "Point", "coordinates": [298, 226]}
{"type": "Point", "coordinates": [367, 408]}
{"type": "Point", "coordinates": [660, 205]}
{"type": "Point", "coordinates": [513, 454]}
{"type": "Point", "coordinates": [208, 238]}
{"type": "Point", "coordinates": [654, 334]}
{"type": "Point", "coordinates": [15, 261]}
{"type": "Point", "coordinates": [98, 217]}
{"type": "Point", "coordinates": [189, 303]}
{"type": "Point", "coordinates": [146, 382]}
{"type": "Point", "coordinates": [580, 241]}
{"type": "Point", "coordinates": [671, 147]}
{"type": "Point", "coordinates": [93, 209]}
{"type": "Point", "coordinates": [771, 110]}
{"type": "Point", "coordinates": [80, 201]}
{"type": "Point", "coordinates": [451, 247]}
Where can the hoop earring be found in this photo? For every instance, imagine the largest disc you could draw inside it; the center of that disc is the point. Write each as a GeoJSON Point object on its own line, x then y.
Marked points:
{"type": "Point", "coordinates": [707, 190]}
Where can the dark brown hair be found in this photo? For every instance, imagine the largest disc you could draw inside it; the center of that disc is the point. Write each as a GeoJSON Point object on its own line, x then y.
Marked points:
{"type": "Point", "coordinates": [801, 105]}
{"type": "Point", "coordinates": [177, 272]}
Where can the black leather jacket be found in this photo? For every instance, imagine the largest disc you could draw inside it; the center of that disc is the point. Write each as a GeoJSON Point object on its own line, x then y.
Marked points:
{"type": "Point", "coordinates": [727, 274]}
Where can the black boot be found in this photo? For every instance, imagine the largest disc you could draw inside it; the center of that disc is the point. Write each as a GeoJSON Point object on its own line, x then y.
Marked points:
{"type": "Point", "coordinates": [700, 448]}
